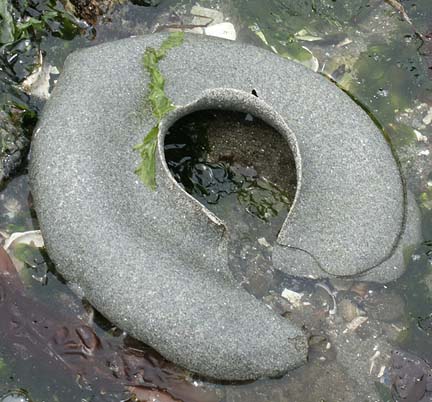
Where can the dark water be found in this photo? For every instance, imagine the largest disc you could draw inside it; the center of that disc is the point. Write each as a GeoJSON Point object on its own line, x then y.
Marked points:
{"type": "Point", "coordinates": [218, 155]}
{"type": "Point", "coordinates": [372, 51]}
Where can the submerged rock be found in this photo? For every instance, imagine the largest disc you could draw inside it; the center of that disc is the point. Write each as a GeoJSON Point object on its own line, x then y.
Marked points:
{"type": "Point", "coordinates": [90, 10]}
{"type": "Point", "coordinates": [13, 144]}
{"type": "Point", "coordinates": [411, 378]}
{"type": "Point", "coordinates": [349, 310]}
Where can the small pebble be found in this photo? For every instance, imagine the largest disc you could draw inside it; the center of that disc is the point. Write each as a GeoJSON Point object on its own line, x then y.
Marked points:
{"type": "Point", "coordinates": [349, 310]}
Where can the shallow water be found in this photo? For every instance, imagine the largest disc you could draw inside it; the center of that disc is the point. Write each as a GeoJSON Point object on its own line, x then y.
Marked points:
{"type": "Point", "coordinates": [374, 53]}
{"type": "Point", "coordinates": [243, 171]}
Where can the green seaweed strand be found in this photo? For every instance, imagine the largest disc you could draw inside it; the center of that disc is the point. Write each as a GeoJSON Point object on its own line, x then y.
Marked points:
{"type": "Point", "coordinates": [160, 106]}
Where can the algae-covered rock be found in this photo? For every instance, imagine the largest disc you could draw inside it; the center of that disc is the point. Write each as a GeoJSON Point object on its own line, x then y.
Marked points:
{"type": "Point", "coordinates": [13, 144]}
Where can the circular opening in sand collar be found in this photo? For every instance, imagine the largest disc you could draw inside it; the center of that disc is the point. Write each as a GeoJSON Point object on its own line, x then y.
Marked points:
{"type": "Point", "coordinates": [224, 156]}
{"type": "Point", "coordinates": [234, 143]}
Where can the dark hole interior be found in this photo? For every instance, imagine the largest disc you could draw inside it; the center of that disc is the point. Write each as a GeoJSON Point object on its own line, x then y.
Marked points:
{"type": "Point", "coordinates": [227, 158]}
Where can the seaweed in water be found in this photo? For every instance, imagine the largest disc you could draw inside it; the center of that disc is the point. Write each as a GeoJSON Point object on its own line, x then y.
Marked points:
{"type": "Point", "coordinates": [60, 342]}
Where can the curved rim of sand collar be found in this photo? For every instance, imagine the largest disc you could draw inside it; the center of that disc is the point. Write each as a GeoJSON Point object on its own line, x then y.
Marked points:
{"type": "Point", "coordinates": [235, 101]}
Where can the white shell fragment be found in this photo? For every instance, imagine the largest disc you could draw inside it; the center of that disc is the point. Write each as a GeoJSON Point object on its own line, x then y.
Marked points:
{"type": "Point", "coordinates": [356, 323]}
{"type": "Point", "coordinates": [293, 297]}
{"type": "Point", "coordinates": [31, 238]}
{"type": "Point", "coordinates": [38, 82]}
{"type": "Point", "coordinates": [224, 30]}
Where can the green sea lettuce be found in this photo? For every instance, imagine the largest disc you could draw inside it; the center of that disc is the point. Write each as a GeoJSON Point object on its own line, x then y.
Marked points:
{"type": "Point", "coordinates": [160, 105]}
